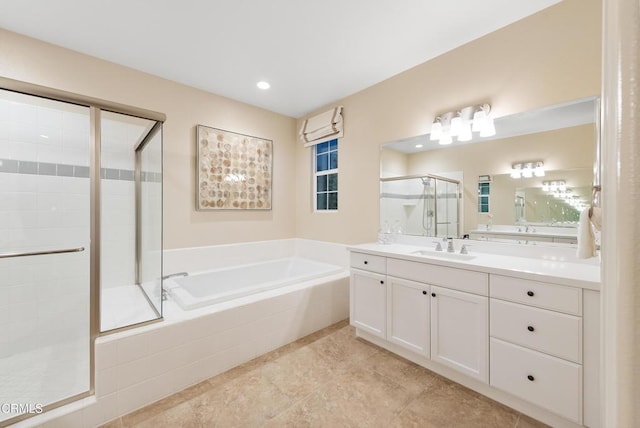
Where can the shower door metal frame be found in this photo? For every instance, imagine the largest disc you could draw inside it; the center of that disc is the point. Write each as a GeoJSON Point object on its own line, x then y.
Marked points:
{"type": "Point", "coordinates": [95, 105]}
{"type": "Point", "coordinates": [157, 127]}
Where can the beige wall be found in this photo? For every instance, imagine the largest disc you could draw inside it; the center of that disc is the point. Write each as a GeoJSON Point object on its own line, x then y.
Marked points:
{"type": "Point", "coordinates": [548, 58]}
{"type": "Point", "coordinates": [562, 149]}
{"type": "Point", "coordinates": [30, 60]}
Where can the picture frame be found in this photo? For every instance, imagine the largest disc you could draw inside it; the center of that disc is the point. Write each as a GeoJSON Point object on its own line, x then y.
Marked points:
{"type": "Point", "coordinates": [234, 171]}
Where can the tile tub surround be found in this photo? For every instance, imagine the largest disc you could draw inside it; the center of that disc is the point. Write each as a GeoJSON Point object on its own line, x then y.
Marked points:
{"type": "Point", "coordinates": [329, 378]}
{"type": "Point", "coordinates": [199, 259]}
{"type": "Point", "coordinates": [137, 367]}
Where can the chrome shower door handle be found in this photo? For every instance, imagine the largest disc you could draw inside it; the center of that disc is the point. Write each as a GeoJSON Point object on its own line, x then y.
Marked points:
{"type": "Point", "coordinates": [41, 253]}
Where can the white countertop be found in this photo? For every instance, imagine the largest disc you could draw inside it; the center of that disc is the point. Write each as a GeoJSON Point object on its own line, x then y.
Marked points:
{"type": "Point", "coordinates": [541, 234]}
{"type": "Point", "coordinates": [546, 268]}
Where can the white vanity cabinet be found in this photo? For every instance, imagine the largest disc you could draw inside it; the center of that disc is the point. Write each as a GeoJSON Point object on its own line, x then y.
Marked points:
{"type": "Point", "coordinates": [408, 319]}
{"type": "Point", "coordinates": [459, 315]}
{"type": "Point", "coordinates": [533, 345]}
{"type": "Point", "coordinates": [368, 304]}
{"type": "Point", "coordinates": [459, 331]}
{"type": "Point", "coordinates": [537, 343]}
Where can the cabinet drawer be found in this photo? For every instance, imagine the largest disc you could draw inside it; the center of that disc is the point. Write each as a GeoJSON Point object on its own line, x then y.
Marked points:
{"type": "Point", "coordinates": [547, 331]}
{"type": "Point", "coordinates": [541, 379]}
{"type": "Point", "coordinates": [369, 262]}
{"type": "Point", "coordinates": [536, 293]}
{"type": "Point", "coordinates": [457, 279]}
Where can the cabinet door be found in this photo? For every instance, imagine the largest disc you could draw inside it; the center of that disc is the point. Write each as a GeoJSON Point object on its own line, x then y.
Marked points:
{"type": "Point", "coordinates": [408, 314]}
{"type": "Point", "coordinates": [368, 295]}
{"type": "Point", "coordinates": [459, 331]}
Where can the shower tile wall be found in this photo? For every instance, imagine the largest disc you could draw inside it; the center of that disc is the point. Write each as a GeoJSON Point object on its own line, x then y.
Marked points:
{"type": "Point", "coordinates": [43, 205]}
{"type": "Point", "coordinates": [403, 201]}
{"type": "Point", "coordinates": [118, 204]}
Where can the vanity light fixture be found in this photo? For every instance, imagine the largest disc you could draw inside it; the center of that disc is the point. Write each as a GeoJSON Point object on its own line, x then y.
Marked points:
{"type": "Point", "coordinates": [516, 170]}
{"type": "Point", "coordinates": [527, 169]}
{"type": "Point", "coordinates": [462, 123]}
{"type": "Point", "coordinates": [556, 186]}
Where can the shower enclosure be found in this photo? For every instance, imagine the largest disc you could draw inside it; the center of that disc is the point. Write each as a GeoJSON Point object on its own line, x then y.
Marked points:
{"type": "Point", "coordinates": [80, 238]}
{"type": "Point", "coordinates": [426, 205]}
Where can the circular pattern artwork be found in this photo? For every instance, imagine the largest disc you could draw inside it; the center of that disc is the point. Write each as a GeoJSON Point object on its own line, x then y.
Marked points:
{"type": "Point", "coordinates": [234, 170]}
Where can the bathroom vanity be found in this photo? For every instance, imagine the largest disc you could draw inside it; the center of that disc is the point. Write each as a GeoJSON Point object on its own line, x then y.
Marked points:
{"type": "Point", "coordinates": [521, 328]}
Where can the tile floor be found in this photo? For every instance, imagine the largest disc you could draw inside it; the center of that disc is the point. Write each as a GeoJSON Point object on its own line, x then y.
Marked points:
{"type": "Point", "coordinates": [327, 379]}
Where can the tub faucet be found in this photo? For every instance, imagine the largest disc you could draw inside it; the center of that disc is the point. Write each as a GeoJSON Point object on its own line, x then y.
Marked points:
{"type": "Point", "coordinates": [171, 275]}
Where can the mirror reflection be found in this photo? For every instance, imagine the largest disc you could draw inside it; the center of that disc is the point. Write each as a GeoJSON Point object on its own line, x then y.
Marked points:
{"type": "Point", "coordinates": [425, 205]}
{"type": "Point", "coordinates": [491, 203]}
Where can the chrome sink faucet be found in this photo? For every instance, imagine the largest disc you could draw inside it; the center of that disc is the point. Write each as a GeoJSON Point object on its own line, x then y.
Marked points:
{"type": "Point", "coordinates": [450, 248]}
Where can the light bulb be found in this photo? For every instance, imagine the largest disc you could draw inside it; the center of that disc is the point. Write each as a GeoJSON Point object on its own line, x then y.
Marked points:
{"type": "Point", "coordinates": [539, 169]}
{"type": "Point", "coordinates": [488, 128]}
{"type": "Point", "coordinates": [562, 186]}
{"type": "Point", "coordinates": [456, 125]}
{"type": "Point", "coordinates": [465, 132]}
{"type": "Point", "coordinates": [445, 139]}
{"type": "Point", "coordinates": [436, 130]}
{"type": "Point", "coordinates": [478, 119]}
{"type": "Point", "coordinates": [527, 171]}
{"type": "Point", "coordinates": [545, 186]}
{"type": "Point", "coordinates": [516, 171]}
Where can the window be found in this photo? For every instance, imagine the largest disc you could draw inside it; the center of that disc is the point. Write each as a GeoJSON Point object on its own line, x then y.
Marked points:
{"type": "Point", "coordinates": [483, 197]}
{"type": "Point", "coordinates": [326, 176]}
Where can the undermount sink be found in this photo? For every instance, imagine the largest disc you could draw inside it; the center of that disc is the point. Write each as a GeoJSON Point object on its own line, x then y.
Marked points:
{"type": "Point", "coordinates": [443, 254]}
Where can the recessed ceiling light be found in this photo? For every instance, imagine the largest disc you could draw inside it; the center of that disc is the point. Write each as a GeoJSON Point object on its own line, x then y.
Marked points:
{"type": "Point", "coordinates": [263, 85]}
{"type": "Point", "coordinates": [419, 146]}
{"type": "Point", "coordinates": [44, 136]}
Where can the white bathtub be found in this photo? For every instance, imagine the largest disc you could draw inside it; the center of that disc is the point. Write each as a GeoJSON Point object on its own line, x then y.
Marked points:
{"type": "Point", "coordinates": [219, 285]}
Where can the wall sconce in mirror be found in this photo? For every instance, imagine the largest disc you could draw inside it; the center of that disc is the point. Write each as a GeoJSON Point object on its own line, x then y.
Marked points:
{"type": "Point", "coordinates": [527, 169]}
{"type": "Point", "coordinates": [554, 186]}
{"type": "Point", "coordinates": [462, 123]}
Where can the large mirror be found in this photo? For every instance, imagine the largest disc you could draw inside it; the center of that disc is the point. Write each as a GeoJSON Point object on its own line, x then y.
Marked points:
{"type": "Point", "coordinates": [492, 204]}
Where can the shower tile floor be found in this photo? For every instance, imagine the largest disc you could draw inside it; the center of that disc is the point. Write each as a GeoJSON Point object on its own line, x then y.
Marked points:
{"type": "Point", "coordinates": [327, 379]}
{"type": "Point", "coordinates": [44, 375]}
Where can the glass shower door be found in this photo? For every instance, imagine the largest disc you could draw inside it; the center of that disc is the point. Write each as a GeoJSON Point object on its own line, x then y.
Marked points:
{"type": "Point", "coordinates": [447, 195]}
{"type": "Point", "coordinates": [131, 220]}
{"type": "Point", "coordinates": [45, 299]}
{"type": "Point", "coordinates": [149, 217]}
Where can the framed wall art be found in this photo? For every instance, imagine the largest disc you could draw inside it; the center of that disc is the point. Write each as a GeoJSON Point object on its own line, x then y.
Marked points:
{"type": "Point", "coordinates": [235, 171]}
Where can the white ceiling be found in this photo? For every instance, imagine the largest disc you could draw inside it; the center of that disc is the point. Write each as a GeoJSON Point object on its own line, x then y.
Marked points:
{"type": "Point", "coordinates": [312, 52]}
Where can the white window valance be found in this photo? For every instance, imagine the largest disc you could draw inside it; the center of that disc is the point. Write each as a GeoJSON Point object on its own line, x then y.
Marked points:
{"type": "Point", "coordinates": [322, 127]}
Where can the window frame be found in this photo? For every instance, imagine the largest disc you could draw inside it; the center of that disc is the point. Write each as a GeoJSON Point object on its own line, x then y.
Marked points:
{"type": "Point", "coordinates": [484, 199]}
{"type": "Point", "coordinates": [327, 172]}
